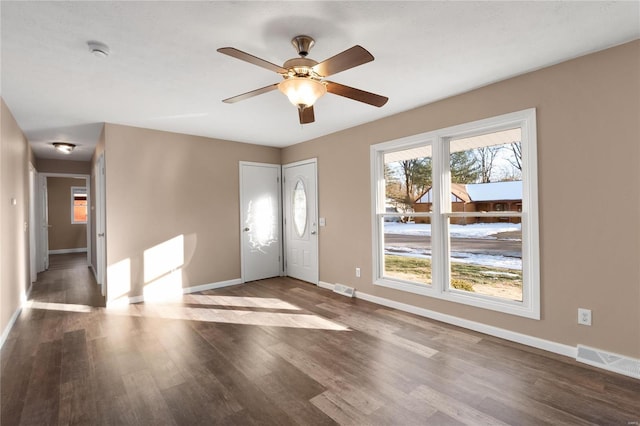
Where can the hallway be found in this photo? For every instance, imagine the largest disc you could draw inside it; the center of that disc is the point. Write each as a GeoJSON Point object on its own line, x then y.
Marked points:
{"type": "Point", "coordinates": [68, 280]}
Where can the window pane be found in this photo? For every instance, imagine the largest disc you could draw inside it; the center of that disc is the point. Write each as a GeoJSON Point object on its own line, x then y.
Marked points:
{"type": "Point", "coordinates": [408, 180]}
{"type": "Point", "coordinates": [486, 252]}
{"type": "Point", "coordinates": [486, 173]}
{"type": "Point", "coordinates": [407, 250]}
{"type": "Point", "coordinates": [79, 204]}
{"type": "Point", "coordinates": [486, 258]}
{"type": "Point", "coordinates": [80, 210]}
{"type": "Point", "coordinates": [299, 208]}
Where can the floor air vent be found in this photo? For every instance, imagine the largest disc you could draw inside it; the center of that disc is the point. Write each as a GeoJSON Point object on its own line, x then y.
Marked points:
{"type": "Point", "coordinates": [608, 361]}
{"type": "Point", "coordinates": [344, 290]}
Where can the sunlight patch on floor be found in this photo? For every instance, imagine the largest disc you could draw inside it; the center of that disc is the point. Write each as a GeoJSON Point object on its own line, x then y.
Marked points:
{"type": "Point", "coordinates": [230, 316]}
{"type": "Point", "coordinates": [247, 302]}
{"type": "Point", "coordinates": [66, 307]}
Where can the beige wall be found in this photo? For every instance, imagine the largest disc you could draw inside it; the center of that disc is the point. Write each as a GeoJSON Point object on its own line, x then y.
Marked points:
{"type": "Point", "coordinates": [63, 234]}
{"type": "Point", "coordinates": [45, 165]}
{"type": "Point", "coordinates": [14, 238]}
{"type": "Point", "coordinates": [588, 117]}
{"type": "Point", "coordinates": [164, 185]}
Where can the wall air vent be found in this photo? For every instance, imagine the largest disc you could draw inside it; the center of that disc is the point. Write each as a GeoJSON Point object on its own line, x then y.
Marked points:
{"type": "Point", "coordinates": [344, 290]}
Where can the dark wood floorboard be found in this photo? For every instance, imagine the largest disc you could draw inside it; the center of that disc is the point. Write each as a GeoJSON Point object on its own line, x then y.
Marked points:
{"type": "Point", "coordinates": [279, 352]}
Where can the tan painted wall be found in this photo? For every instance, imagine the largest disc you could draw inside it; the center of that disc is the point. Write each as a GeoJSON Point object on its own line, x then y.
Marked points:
{"type": "Point", "coordinates": [63, 234]}
{"type": "Point", "coordinates": [588, 116]}
{"type": "Point", "coordinates": [14, 238]}
{"type": "Point", "coordinates": [162, 185]}
{"type": "Point", "coordinates": [45, 165]}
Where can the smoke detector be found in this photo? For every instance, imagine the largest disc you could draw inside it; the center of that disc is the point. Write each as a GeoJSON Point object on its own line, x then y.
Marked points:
{"type": "Point", "coordinates": [98, 49]}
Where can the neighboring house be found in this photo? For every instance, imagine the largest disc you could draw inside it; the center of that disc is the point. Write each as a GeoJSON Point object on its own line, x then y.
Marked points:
{"type": "Point", "coordinates": [479, 197]}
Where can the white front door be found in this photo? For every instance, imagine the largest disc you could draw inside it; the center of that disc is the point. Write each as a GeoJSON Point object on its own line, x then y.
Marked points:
{"type": "Point", "coordinates": [301, 220]}
{"type": "Point", "coordinates": [260, 201]}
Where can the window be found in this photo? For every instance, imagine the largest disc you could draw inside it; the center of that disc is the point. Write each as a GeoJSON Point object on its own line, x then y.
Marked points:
{"type": "Point", "coordinates": [455, 214]}
{"type": "Point", "coordinates": [78, 204]}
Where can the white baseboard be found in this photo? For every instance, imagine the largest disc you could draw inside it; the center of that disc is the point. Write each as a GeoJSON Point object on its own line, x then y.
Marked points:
{"type": "Point", "coordinates": [186, 290]}
{"type": "Point", "coordinates": [71, 250]}
{"type": "Point", "coordinates": [326, 285]}
{"type": "Point", "coordinates": [7, 329]}
{"type": "Point", "coordinates": [23, 300]}
{"type": "Point", "coordinates": [211, 286]}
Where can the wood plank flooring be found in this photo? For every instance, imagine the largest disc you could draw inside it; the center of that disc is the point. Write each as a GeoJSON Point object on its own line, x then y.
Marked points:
{"type": "Point", "coordinates": [280, 352]}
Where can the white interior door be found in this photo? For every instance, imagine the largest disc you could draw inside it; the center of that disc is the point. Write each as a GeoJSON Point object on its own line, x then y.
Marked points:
{"type": "Point", "coordinates": [260, 206]}
{"type": "Point", "coordinates": [101, 247]}
{"type": "Point", "coordinates": [301, 220]}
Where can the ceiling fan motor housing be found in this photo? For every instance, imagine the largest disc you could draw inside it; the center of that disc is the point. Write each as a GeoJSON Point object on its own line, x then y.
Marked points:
{"type": "Point", "coordinates": [301, 67]}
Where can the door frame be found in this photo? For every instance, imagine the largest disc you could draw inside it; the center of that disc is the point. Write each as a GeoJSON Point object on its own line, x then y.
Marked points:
{"type": "Point", "coordinates": [34, 223]}
{"type": "Point", "coordinates": [43, 237]}
{"type": "Point", "coordinates": [100, 220]}
{"type": "Point", "coordinates": [314, 161]}
{"type": "Point", "coordinates": [243, 261]}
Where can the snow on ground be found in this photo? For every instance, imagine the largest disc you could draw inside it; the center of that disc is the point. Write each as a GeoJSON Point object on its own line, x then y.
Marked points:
{"type": "Point", "coordinates": [493, 261]}
{"type": "Point", "coordinates": [476, 230]}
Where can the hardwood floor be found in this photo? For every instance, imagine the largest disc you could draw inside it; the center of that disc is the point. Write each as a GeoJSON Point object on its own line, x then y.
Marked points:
{"type": "Point", "coordinates": [282, 352]}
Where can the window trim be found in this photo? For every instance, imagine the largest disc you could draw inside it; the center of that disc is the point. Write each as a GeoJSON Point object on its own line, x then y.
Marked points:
{"type": "Point", "coordinates": [529, 307]}
{"type": "Point", "coordinates": [78, 189]}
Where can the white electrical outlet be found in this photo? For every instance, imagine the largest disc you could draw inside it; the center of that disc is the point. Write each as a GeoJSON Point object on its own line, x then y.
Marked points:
{"type": "Point", "coordinates": [357, 272]}
{"type": "Point", "coordinates": [584, 316]}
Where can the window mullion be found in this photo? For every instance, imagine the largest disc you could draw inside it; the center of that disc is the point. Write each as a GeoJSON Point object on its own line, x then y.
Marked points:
{"type": "Point", "coordinates": [439, 240]}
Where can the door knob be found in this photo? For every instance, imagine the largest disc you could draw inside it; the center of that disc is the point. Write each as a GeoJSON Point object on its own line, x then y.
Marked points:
{"type": "Point", "coordinates": [313, 232]}
{"type": "Point", "coordinates": [246, 229]}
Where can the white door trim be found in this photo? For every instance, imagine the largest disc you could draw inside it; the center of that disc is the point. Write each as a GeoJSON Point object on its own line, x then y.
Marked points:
{"type": "Point", "coordinates": [100, 224]}
{"type": "Point", "coordinates": [313, 161]}
{"type": "Point", "coordinates": [33, 222]}
{"type": "Point", "coordinates": [87, 179]}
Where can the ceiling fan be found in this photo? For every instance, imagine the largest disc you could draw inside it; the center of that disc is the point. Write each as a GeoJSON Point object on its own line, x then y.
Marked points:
{"type": "Point", "coordinates": [304, 79]}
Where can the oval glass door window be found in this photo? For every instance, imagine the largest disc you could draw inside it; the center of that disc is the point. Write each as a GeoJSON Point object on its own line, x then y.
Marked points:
{"type": "Point", "coordinates": [299, 208]}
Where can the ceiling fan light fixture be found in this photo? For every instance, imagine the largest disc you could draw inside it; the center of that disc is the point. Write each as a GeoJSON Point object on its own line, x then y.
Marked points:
{"type": "Point", "coordinates": [302, 92]}
{"type": "Point", "coordinates": [64, 147]}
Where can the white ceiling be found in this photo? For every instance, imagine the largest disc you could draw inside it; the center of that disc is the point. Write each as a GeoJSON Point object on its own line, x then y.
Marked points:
{"type": "Point", "coordinates": [164, 72]}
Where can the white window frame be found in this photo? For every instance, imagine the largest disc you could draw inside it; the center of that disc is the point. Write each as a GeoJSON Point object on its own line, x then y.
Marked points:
{"type": "Point", "coordinates": [74, 190]}
{"type": "Point", "coordinates": [439, 141]}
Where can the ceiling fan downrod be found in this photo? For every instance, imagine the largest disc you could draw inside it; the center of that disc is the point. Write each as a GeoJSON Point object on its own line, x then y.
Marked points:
{"type": "Point", "coordinates": [303, 44]}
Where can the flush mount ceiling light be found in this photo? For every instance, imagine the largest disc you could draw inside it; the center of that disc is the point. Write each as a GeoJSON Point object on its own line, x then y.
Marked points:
{"type": "Point", "coordinates": [64, 147]}
{"type": "Point", "coordinates": [98, 49]}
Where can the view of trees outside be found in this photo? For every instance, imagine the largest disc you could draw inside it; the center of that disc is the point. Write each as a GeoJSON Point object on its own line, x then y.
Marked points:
{"type": "Point", "coordinates": [408, 175]}
{"type": "Point", "coordinates": [495, 157]}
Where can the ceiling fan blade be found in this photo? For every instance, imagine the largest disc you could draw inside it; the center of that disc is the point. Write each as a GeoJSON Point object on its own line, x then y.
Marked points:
{"type": "Point", "coordinates": [244, 56]}
{"type": "Point", "coordinates": [356, 94]}
{"type": "Point", "coordinates": [251, 94]}
{"type": "Point", "coordinates": [350, 58]}
{"type": "Point", "coordinates": [306, 115]}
